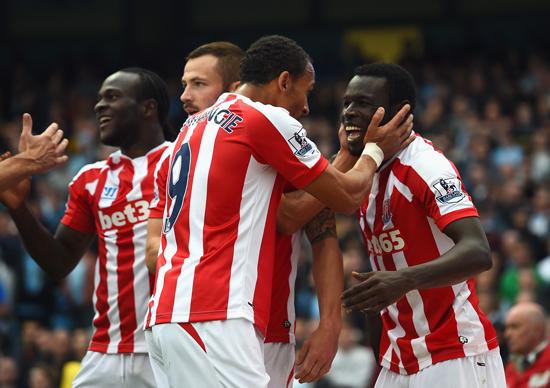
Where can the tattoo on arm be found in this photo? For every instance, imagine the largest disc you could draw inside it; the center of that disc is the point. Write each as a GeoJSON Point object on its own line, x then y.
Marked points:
{"type": "Point", "coordinates": [323, 225]}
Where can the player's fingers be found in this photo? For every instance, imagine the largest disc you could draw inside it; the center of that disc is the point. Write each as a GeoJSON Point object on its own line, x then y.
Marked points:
{"type": "Point", "coordinates": [376, 119]}
{"type": "Point", "coordinates": [57, 136]}
{"type": "Point", "coordinates": [361, 275]}
{"type": "Point", "coordinates": [305, 371]}
{"type": "Point", "coordinates": [365, 284]}
{"type": "Point", "coordinates": [313, 373]}
{"type": "Point", "coordinates": [27, 125]}
{"type": "Point", "coordinates": [406, 126]}
{"type": "Point", "coordinates": [61, 147]}
{"type": "Point", "coordinates": [302, 355]}
{"type": "Point", "coordinates": [61, 159]}
{"type": "Point", "coordinates": [51, 130]}
{"type": "Point", "coordinates": [5, 156]}
{"type": "Point", "coordinates": [399, 116]}
{"type": "Point", "coordinates": [408, 140]}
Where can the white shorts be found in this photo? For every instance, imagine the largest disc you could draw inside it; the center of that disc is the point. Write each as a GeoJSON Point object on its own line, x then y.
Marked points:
{"type": "Point", "coordinates": [105, 370]}
{"type": "Point", "coordinates": [279, 364]}
{"type": "Point", "coordinates": [210, 354]}
{"type": "Point", "coordinates": [481, 371]}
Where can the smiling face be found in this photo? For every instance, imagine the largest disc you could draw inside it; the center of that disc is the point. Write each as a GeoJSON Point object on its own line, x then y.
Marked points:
{"type": "Point", "coordinates": [202, 83]}
{"type": "Point", "coordinates": [363, 96]}
{"type": "Point", "coordinates": [118, 111]}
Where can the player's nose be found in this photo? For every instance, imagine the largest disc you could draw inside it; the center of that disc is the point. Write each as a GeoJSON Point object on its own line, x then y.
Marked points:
{"type": "Point", "coordinates": [185, 95]}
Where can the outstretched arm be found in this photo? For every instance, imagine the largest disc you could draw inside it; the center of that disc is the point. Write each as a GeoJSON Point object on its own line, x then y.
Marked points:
{"type": "Point", "coordinates": [469, 256]}
{"type": "Point", "coordinates": [57, 255]}
{"type": "Point", "coordinates": [315, 358]}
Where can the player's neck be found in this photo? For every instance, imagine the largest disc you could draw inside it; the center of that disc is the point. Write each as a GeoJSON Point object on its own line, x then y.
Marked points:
{"type": "Point", "coordinates": [147, 139]}
{"type": "Point", "coordinates": [260, 93]}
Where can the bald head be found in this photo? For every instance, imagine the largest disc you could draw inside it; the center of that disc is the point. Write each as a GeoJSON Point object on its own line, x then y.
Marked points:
{"type": "Point", "coordinates": [525, 327]}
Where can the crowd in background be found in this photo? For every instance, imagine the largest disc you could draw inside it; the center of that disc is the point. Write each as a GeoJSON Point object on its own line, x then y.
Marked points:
{"type": "Point", "coordinates": [491, 117]}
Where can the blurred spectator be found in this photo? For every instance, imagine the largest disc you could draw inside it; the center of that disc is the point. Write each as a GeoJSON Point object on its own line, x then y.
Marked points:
{"type": "Point", "coordinates": [529, 364]}
{"type": "Point", "coordinates": [354, 365]}
{"type": "Point", "coordinates": [8, 372]}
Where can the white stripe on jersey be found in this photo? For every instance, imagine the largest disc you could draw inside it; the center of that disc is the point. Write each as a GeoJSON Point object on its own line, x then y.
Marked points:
{"type": "Point", "coordinates": [394, 334]}
{"type": "Point", "coordinates": [112, 291]}
{"type": "Point", "coordinates": [256, 193]}
{"type": "Point", "coordinates": [140, 172]}
{"type": "Point", "coordinates": [420, 322]}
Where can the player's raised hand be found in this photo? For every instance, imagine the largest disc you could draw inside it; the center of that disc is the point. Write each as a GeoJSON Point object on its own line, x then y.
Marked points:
{"type": "Point", "coordinates": [395, 134]}
{"type": "Point", "coordinates": [46, 150]}
{"type": "Point", "coordinates": [315, 357]}
{"type": "Point", "coordinates": [376, 291]}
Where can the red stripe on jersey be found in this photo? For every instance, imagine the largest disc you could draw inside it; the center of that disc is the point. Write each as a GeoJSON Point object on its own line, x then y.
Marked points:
{"type": "Point", "coordinates": [194, 334]}
{"type": "Point", "coordinates": [276, 332]}
{"type": "Point", "coordinates": [264, 285]}
{"type": "Point", "coordinates": [125, 270]}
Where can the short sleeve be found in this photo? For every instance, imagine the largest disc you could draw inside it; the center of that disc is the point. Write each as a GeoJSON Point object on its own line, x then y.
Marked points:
{"type": "Point", "coordinates": [281, 141]}
{"type": "Point", "coordinates": [441, 190]}
{"type": "Point", "coordinates": [78, 212]}
{"type": "Point", "coordinates": [156, 208]}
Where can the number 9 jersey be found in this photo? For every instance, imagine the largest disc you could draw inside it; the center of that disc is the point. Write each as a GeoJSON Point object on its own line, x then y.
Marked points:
{"type": "Point", "coordinates": [227, 171]}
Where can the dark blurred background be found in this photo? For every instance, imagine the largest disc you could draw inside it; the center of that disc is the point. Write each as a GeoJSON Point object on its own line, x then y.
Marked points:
{"type": "Point", "coordinates": [483, 75]}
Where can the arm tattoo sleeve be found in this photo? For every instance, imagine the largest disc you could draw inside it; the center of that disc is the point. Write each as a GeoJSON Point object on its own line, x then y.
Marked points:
{"type": "Point", "coordinates": [322, 226]}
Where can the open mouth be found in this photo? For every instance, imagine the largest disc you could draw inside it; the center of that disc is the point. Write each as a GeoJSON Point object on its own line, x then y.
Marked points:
{"type": "Point", "coordinates": [104, 120]}
{"type": "Point", "coordinates": [354, 133]}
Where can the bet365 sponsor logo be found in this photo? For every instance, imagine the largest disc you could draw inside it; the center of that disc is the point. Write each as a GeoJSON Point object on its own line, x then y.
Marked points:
{"type": "Point", "coordinates": [132, 213]}
{"type": "Point", "coordinates": [390, 241]}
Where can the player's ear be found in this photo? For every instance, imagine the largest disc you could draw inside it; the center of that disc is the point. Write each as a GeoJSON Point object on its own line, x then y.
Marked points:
{"type": "Point", "coordinates": [283, 81]}
{"type": "Point", "coordinates": [233, 86]}
{"type": "Point", "coordinates": [149, 107]}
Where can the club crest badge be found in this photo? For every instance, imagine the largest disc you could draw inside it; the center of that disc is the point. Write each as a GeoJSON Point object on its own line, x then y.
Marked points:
{"type": "Point", "coordinates": [386, 212]}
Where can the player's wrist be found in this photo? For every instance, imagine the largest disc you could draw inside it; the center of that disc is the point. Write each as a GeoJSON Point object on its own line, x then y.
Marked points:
{"type": "Point", "coordinates": [373, 151]}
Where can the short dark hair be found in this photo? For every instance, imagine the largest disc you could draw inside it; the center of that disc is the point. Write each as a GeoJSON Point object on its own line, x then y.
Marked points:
{"type": "Point", "coordinates": [229, 59]}
{"type": "Point", "coordinates": [400, 82]}
{"type": "Point", "coordinates": [269, 56]}
{"type": "Point", "coordinates": [151, 86]}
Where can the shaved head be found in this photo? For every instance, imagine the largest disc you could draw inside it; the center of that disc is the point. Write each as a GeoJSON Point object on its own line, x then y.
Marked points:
{"type": "Point", "coordinates": [525, 327]}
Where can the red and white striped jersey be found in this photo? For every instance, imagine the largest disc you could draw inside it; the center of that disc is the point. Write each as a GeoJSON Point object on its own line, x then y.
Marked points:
{"type": "Point", "coordinates": [227, 172]}
{"type": "Point", "coordinates": [111, 198]}
{"type": "Point", "coordinates": [413, 198]}
{"type": "Point", "coordinates": [282, 317]}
